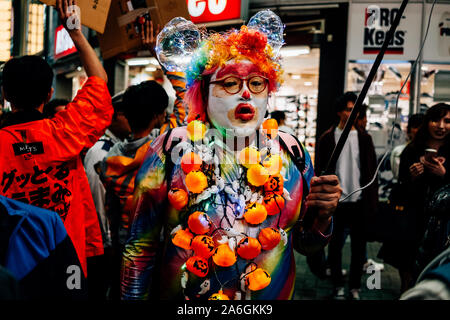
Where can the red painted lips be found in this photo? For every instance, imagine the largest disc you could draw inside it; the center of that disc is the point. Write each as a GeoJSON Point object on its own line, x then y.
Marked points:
{"type": "Point", "coordinates": [244, 112]}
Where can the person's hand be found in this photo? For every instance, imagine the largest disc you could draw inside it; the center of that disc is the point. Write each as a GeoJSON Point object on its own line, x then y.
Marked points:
{"type": "Point", "coordinates": [416, 169]}
{"type": "Point", "coordinates": [67, 12]}
{"type": "Point", "coordinates": [324, 195]}
{"type": "Point", "coordinates": [148, 36]}
{"type": "Point", "coordinates": [435, 167]}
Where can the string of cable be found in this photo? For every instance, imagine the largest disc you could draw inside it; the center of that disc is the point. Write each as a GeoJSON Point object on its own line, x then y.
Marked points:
{"type": "Point", "coordinates": [391, 144]}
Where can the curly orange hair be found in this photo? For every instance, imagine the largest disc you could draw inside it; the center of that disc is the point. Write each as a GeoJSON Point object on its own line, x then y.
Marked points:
{"type": "Point", "coordinates": [215, 51]}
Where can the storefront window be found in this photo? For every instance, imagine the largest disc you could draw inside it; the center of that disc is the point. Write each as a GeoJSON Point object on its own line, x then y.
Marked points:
{"type": "Point", "coordinates": [382, 99]}
{"type": "Point", "coordinates": [35, 28]}
{"type": "Point", "coordinates": [297, 97]}
{"type": "Point", "coordinates": [435, 84]}
{"type": "Point", "coordinates": [5, 29]}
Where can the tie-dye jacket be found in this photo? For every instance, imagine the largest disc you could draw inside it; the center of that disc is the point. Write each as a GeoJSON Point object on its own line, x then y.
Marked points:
{"type": "Point", "coordinates": [152, 268]}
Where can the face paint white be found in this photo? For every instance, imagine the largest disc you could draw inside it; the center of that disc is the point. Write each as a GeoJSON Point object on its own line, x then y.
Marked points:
{"type": "Point", "coordinates": [239, 114]}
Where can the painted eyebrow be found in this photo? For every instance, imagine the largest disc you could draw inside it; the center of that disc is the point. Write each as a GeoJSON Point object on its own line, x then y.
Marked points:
{"type": "Point", "coordinates": [238, 69]}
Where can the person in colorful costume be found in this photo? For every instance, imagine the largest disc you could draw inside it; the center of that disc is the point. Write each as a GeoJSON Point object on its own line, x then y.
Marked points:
{"type": "Point", "coordinates": [232, 208]}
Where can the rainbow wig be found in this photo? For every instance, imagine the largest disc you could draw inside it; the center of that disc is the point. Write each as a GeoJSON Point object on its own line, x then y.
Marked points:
{"type": "Point", "coordinates": [215, 51]}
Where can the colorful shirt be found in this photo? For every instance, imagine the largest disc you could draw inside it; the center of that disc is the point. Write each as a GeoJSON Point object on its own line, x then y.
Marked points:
{"type": "Point", "coordinates": [147, 259]}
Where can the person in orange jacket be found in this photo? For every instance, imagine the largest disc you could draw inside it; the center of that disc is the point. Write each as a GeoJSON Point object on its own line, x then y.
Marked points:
{"type": "Point", "coordinates": [40, 162]}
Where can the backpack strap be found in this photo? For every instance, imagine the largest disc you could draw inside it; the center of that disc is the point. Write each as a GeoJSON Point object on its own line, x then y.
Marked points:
{"type": "Point", "coordinates": [295, 149]}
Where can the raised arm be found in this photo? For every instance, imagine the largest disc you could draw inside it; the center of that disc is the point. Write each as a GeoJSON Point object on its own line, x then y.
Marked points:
{"type": "Point", "coordinates": [89, 59]}
{"type": "Point", "coordinates": [177, 79]}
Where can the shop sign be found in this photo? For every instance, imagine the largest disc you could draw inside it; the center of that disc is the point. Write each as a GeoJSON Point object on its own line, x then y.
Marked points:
{"type": "Point", "coordinates": [369, 25]}
{"type": "Point", "coordinates": [63, 43]}
{"type": "Point", "coordinates": [437, 46]}
{"type": "Point", "coordinates": [203, 11]}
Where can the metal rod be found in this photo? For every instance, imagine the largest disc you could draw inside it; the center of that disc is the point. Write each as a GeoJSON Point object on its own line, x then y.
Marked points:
{"type": "Point", "coordinates": [359, 101]}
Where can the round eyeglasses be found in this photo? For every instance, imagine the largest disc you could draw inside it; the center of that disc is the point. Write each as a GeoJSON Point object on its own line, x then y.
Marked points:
{"type": "Point", "coordinates": [233, 84]}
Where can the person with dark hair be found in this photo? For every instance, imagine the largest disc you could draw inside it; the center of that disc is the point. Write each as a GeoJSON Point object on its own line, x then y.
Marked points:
{"type": "Point", "coordinates": [280, 116]}
{"type": "Point", "coordinates": [361, 120]}
{"type": "Point", "coordinates": [98, 266]}
{"type": "Point", "coordinates": [144, 107]}
{"type": "Point", "coordinates": [40, 162]}
{"type": "Point", "coordinates": [414, 123]}
{"type": "Point", "coordinates": [355, 168]}
{"type": "Point", "coordinates": [54, 106]}
{"type": "Point", "coordinates": [424, 168]}
{"type": "Point", "coordinates": [138, 112]}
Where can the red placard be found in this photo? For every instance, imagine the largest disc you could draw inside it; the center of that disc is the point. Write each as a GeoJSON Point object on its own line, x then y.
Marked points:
{"type": "Point", "coordinates": [63, 43]}
{"type": "Point", "coordinates": [202, 11]}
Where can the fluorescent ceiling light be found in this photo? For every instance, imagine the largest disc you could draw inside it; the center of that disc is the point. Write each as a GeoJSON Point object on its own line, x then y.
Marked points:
{"type": "Point", "coordinates": [154, 61]}
{"type": "Point", "coordinates": [307, 83]}
{"type": "Point", "coordinates": [139, 61]}
{"type": "Point", "coordinates": [296, 76]}
{"type": "Point", "coordinates": [293, 51]}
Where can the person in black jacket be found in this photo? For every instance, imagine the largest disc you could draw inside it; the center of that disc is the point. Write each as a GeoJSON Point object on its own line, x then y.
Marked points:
{"type": "Point", "coordinates": [355, 168]}
{"type": "Point", "coordinates": [420, 176]}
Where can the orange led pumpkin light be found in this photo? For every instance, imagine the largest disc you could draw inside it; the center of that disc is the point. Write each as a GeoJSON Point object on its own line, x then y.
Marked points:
{"type": "Point", "coordinates": [273, 164]}
{"type": "Point", "coordinates": [255, 213]}
{"type": "Point", "coordinates": [257, 175]}
{"type": "Point", "coordinates": [191, 161]}
{"type": "Point", "coordinates": [223, 256]}
{"type": "Point", "coordinates": [248, 248]}
{"type": "Point", "coordinates": [273, 203]}
{"type": "Point", "coordinates": [275, 184]}
{"type": "Point", "coordinates": [219, 296]}
{"type": "Point", "coordinates": [182, 238]}
{"type": "Point", "coordinates": [258, 279]}
{"type": "Point", "coordinates": [203, 246]}
{"type": "Point", "coordinates": [270, 127]}
{"type": "Point", "coordinates": [269, 238]}
{"type": "Point", "coordinates": [198, 266]}
{"type": "Point", "coordinates": [178, 198]}
{"type": "Point", "coordinates": [199, 222]}
{"type": "Point", "coordinates": [196, 181]}
{"type": "Point", "coordinates": [249, 156]}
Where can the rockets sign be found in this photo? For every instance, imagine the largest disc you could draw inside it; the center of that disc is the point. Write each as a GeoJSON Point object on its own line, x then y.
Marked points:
{"type": "Point", "coordinates": [377, 22]}
{"type": "Point", "coordinates": [369, 25]}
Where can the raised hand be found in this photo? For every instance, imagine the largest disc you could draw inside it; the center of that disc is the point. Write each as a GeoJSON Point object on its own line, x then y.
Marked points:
{"type": "Point", "coordinates": [148, 36]}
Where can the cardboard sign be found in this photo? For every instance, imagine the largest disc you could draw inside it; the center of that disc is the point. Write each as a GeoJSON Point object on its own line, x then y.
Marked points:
{"type": "Point", "coordinates": [93, 12]}
{"type": "Point", "coordinates": [121, 34]}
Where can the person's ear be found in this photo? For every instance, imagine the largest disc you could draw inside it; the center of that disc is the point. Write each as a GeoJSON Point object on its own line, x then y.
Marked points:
{"type": "Point", "coordinates": [49, 96]}
{"type": "Point", "coordinates": [4, 95]}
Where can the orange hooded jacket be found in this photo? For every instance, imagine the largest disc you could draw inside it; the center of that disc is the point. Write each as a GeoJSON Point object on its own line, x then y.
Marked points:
{"type": "Point", "coordinates": [40, 164]}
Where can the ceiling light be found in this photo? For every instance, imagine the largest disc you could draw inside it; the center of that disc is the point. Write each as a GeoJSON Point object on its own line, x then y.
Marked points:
{"type": "Point", "coordinates": [307, 83]}
{"type": "Point", "coordinates": [150, 69]}
{"type": "Point", "coordinates": [154, 61]}
{"type": "Point", "coordinates": [138, 61]}
{"type": "Point", "coordinates": [294, 51]}
{"type": "Point", "coordinates": [296, 76]}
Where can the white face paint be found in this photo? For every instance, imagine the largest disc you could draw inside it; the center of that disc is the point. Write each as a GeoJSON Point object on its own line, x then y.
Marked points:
{"type": "Point", "coordinates": [239, 114]}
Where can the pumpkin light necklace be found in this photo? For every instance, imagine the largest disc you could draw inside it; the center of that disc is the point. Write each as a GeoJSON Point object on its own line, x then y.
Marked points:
{"type": "Point", "coordinates": [258, 192]}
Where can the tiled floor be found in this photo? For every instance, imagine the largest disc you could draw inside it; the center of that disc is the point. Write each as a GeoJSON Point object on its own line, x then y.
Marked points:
{"type": "Point", "coordinates": [310, 287]}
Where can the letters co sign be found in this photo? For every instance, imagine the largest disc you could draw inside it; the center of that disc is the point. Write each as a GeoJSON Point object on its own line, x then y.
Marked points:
{"type": "Point", "coordinates": [204, 11]}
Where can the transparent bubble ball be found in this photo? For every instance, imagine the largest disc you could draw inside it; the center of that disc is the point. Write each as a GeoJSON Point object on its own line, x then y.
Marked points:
{"type": "Point", "coordinates": [270, 24]}
{"type": "Point", "coordinates": [176, 44]}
